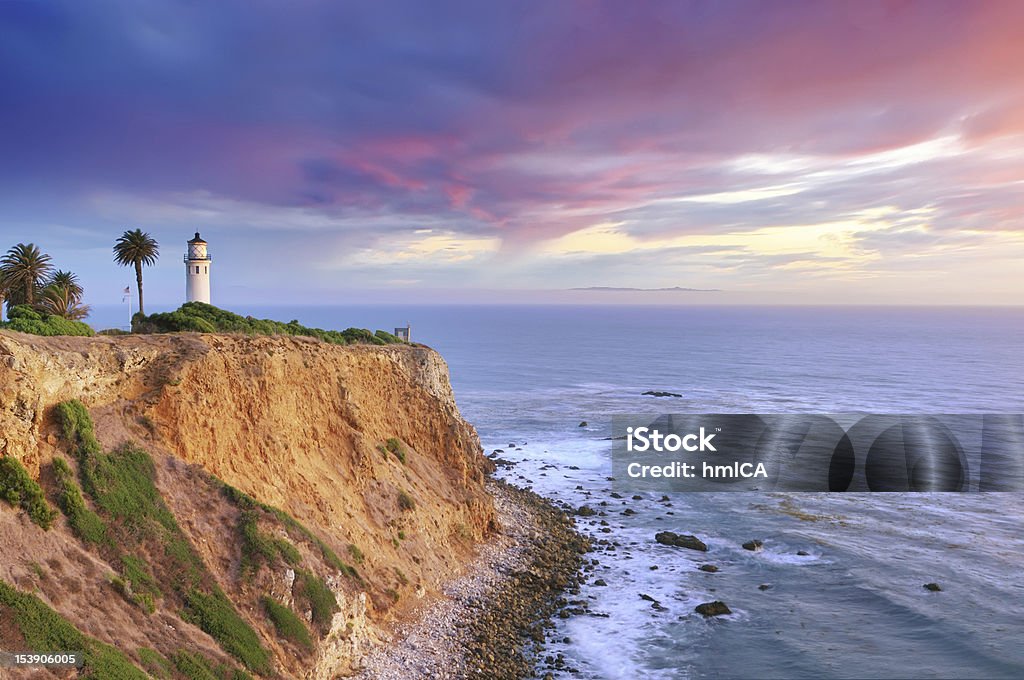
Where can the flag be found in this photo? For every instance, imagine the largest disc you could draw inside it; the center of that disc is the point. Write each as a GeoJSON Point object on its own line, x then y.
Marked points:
{"type": "Point", "coordinates": [127, 291]}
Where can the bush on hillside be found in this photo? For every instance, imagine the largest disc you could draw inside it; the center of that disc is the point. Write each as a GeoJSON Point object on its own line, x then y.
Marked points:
{"type": "Point", "coordinates": [199, 317]}
{"type": "Point", "coordinates": [17, 488]}
{"type": "Point", "coordinates": [24, 319]}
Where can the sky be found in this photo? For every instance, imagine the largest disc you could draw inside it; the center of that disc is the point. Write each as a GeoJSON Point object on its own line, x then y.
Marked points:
{"type": "Point", "coordinates": [764, 152]}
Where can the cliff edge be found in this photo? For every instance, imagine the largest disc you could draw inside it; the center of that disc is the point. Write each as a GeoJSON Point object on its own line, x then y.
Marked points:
{"type": "Point", "coordinates": [355, 451]}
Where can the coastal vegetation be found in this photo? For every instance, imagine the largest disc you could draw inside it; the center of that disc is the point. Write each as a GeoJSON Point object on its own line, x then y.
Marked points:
{"type": "Point", "coordinates": [136, 248]}
{"type": "Point", "coordinates": [44, 630]}
{"type": "Point", "coordinates": [288, 625]}
{"type": "Point", "coordinates": [23, 269]}
{"type": "Point", "coordinates": [397, 448]}
{"type": "Point", "coordinates": [137, 521]}
{"type": "Point", "coordinates": [249, 505]}
{"type": "Point", "coordinates": [40, 300]}
{"type": "Point", "coordinates": [18, 488]}
{"type": "Point", "coordinates": [26, 319]}
{"type": "Point", "coordinates": [199, 317]}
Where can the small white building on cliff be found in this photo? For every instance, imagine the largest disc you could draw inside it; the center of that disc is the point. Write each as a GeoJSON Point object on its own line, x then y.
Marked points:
{"type": "Point", "coordinates": [197, 271]}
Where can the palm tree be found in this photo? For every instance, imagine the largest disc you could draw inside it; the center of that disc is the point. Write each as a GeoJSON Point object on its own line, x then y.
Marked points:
{"type": "Point", "coordinates": [69, 280]}
{"type": "Point", "coordinates": [63, 300]}
{"type": "Point", "coordinates": [137, 248]}
{"type": "Point", "coordinates": [22, 269]}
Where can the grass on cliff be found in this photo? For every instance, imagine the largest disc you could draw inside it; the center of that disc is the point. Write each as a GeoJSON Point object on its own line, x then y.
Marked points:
{"type": "Point", "coordinates": [195, 666]}
{"type": "Point", "coordinates": [85, 524]}
{"type": "Point", "coordinates": [138, 522]}
{"type": "Point", "coordinates": [259, 547]}
{"type": "Point", "coordinates": [199, 317]}
{"type": "Point", "coordinates": [213, 613]}
{"type": "Point", "coordinates": [44, 630]}
{"type": "Point", "coordinates": [318, 596]}
{"type": "Point", "coordinates": [18, 488]}
{"type": "Point", "coordinates": [397, 448]}
{"type": "Point", "coordinates": [288, 625]}
{"type": "Point", "coordinates": [24, 319]}
{"type": "Point", "coordinates": [406, 502]}
{"type": "Point", "coordinates": [258, 550]}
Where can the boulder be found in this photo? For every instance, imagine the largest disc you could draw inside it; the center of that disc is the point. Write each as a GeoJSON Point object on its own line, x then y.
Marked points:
{"type": "Point", "coordinates": [753, 545]}
{"type": "Point", "coordinates": [934, 587]}
{"type": "Point", "coordinates": [716, 608]}
{"type": "Point", "coordinates": [710, 568]}
{"type": "Point", "coordinates": [680, 540]}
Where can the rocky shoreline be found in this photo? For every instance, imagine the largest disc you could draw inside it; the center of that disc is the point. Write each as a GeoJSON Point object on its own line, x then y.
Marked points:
{"type": "Point", "coordinates": [493, 621]}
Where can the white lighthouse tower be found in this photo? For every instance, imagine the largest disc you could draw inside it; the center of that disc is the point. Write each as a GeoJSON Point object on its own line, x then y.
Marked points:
{"type": "Point", "coordinates": [197, 271]}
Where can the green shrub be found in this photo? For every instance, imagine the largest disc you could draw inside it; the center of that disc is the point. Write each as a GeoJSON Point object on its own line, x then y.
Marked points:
{"type": "Point", "coordinates": [356, 553]}
{"type": "Point", "coordinates": [85, 523]}
{"type": "Point", "coordinates": [259, 547]}
{"type": "Point", "coordinates": [17, 488]}
{"type": "Point", "coordinates": [24, 319]}
{"type": "Point", "coordinates": [315, 592]}
{"type": "Point", "coordinates": [288, 625]}
{"type": "Point", "coordinates": [405, 502]}
{"type": "Point", "coordinates": [44, 630]}
{"type": "Point", "coordinates": [77, 426]}
{"type": "Point", "coordinates": [247, 502]}
{"type": "Point", "coordinates": [214, 614]}
{"type": "Point", "coordinates": [25, 312]}
{"type": "Point", "coordinates": [388, 338]}
{"type": "Point", "coordinates": [143, 589]}
{"type": "Point", "coordinates": [199, 317]}
{"type": "Point", "coordinates": [154, 663]}
{"type": "Point", "coordinates": [392, 593]}
{"type": "Point", "coordinates": [193, 666]}
{"type": "Point", "coordinates": [396, 447]}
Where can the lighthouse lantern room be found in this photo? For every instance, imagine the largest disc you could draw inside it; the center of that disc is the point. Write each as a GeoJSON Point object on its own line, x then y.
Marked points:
{"type": "Point", "coordinates": [197, 271]}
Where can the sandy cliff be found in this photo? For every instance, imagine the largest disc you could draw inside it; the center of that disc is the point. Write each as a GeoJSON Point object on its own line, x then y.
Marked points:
{"type": "Point", "coordinates": [294, 423]}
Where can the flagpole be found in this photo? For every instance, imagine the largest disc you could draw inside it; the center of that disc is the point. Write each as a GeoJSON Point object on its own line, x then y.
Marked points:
{"type": "Point", "coordinates": [129, 296]}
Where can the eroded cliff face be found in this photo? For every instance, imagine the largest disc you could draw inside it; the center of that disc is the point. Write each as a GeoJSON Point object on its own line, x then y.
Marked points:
{"type": "Point", "coordinates": [294, 423]}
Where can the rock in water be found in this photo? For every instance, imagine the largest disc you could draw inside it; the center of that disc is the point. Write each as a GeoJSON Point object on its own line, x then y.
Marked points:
{"type": "Point", "coordinates": [716, 608]}
{"type": "Point", "coordinates": [583, 423]}
{"type": "Point", "coordinates": [680, 540]}
{"type": "Point", "coordinates": [655, 393]}
{"type": "Point", "coordinates": [753, 545]}
{"type": "Point", "coordinates": [934, 587]}
{"type": "Point", "coordinates": [586, 511]}
{"type": "Point", "coordinates": [710, 568]}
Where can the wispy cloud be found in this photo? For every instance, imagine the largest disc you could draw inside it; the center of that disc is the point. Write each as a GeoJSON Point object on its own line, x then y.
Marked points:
{"type": "Point", "coordinates": [732, 145]}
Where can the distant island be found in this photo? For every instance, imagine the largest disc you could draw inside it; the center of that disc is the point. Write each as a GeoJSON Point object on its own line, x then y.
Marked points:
{"type": "Point", "coordinates": [673, 289]}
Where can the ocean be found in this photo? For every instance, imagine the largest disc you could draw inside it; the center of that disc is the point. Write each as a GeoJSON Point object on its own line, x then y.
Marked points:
{"type": "Point", "coordinates": [852, 606]}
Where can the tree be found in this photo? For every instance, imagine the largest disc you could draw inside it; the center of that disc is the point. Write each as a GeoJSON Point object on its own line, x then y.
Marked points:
{"type": "Point", "coordinates": [62, 297]}
{"type": "Point", "coordinates": [138, 248]}
{"type": "Point", "coordinates": [69, 280]}
{"type": "Point", "coordinates": [22, 269]}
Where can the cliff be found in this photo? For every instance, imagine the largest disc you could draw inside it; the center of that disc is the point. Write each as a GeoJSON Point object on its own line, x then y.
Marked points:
{"type": "Point", "coordinates": [352, 451]}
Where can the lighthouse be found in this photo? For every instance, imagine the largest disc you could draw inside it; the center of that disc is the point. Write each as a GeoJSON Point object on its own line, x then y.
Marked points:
{"type": "Point", "coordinates": [197, 271]}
